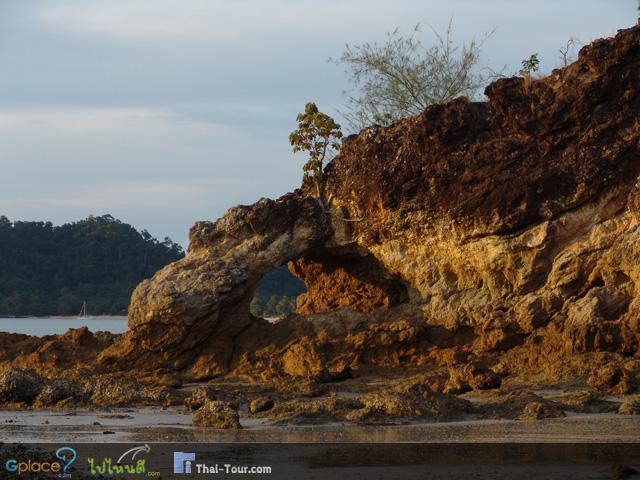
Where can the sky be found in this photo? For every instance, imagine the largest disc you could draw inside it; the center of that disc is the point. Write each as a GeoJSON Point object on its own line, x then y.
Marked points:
{"type": "Point", "coordinates": [165, 112]}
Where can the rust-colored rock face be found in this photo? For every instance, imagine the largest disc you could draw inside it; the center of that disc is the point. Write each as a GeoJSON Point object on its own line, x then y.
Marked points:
{"type": "Point", "coordinates": [484, 239]}
{"type": "Point", "coordinates": [526, 156]}
{"type": "Point", "coordinates": [349, 280]}
{"type": "Point", "coordinates": [187, 316]}
{"type": "Point", "coordinates": [503, 226]}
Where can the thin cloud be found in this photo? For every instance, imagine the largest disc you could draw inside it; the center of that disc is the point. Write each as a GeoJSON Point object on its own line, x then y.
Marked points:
{"type": "Point", "coordinates": [163, 112]}
{"type": "Point", "coordinates": [145, 194]}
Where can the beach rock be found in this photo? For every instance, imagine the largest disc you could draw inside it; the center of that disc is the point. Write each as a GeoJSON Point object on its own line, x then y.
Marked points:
{"type": "Point", "coordinates": [472, 376]}
{"type": "Point", "coordinates": [519, 404]}
{"type": "Point", "coordinates": [315, 410]}
{"type": "Point", "coordinates": [319, 349]}
{"type": "Point", "coordinates": [630, 407]}
{"type": "Point", "coordinates": [217, 414]}
{"type": "Point", "coordinates": [588, 402]}
{"type": "Point", "coordinates": [55, 356]}
{"type": "Point", "coordinates": [261, 404]}
{"type": "Point", "coordinates": [409, 401]}
{"type": "Point", "coordinates": [19, 386]}
{"type": "Point", "coordinates": [199, 397]}
{"type": "Point", "coordinates": [113, 390]}
{"type": "Point", "coordinates": [612, 379]}
{"type": "Point", "coordinates": [297, 386]}
{"type": "Point", "coordinates": [540, 410]}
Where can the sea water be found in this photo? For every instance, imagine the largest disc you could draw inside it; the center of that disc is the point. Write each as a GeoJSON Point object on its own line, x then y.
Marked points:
{"type": "Point", "coordinates": [40, 326]}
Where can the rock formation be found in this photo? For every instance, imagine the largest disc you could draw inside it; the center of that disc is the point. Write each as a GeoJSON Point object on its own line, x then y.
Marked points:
{"type": "Point", "coordinates": [481, 239]}
{"type": "Point", "coordinates": [189, 314]}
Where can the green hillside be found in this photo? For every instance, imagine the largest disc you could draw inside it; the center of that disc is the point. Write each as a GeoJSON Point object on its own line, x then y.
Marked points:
{"type": "Point", "coordinates": [276, 293]}
{"type": "Point", "coordinates": [52, 270]}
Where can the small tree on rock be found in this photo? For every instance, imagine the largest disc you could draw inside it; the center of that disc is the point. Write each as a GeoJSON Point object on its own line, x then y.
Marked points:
{"type": "Point", "coordinates": [319, 135]}
{"type": "Point", "coordinates": [531, 64]}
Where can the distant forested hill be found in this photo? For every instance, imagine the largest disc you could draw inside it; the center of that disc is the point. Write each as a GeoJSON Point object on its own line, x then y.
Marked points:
{"type": "Point", "coordinates": [52, 270]}
{"type": "Point", "coordinates": [276, 293]}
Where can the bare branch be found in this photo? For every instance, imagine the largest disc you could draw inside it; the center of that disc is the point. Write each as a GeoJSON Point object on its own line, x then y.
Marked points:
{"type": "Point", "coordinates": [401, 77]}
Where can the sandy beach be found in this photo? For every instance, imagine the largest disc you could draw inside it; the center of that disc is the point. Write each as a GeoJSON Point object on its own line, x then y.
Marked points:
{"type": "Point", "coordinates": [174, 425]}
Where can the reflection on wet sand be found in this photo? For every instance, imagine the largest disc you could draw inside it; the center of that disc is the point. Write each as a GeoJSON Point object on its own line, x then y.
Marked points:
{"type": "Point", "coordinates": [174, 425]}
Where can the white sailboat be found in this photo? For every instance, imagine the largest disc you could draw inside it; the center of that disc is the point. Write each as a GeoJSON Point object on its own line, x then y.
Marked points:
{"type": "Point", "coordinates": [83, 312]}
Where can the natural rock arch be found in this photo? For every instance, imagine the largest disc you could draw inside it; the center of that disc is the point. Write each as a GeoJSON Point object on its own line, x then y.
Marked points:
{"type": "Point", "coordinates": [503, 222]}
{"type": "Point", "coordinates": [188, 317]}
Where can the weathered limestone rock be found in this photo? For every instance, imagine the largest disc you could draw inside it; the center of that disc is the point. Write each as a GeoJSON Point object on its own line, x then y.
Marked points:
{"type": "Point", "coordinates": [410, 401]}
{"type": "Point", "coordinates": [187, 316]}
{"type": "Point", "coordinates": [498, 222]}
{"type": "Point", "coordinates": [199, 397]}
{"type": "Point", "coordinates": [540, 410]}
{"type": "Point", "coordinates": [612, 379]}
{"type": "Point", "coordinates": [217, 414]}
{"type": "Point", "coordinates": [350, 280]}
{"type": "Point", "coordinates": [630, 407]}
{"type": "Point", "coordinates": [505, 232]}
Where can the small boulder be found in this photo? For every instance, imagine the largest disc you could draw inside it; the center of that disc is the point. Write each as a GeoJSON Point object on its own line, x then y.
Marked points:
{"type": "Point", "coordinates": [469, 376]}
{"type": "Point", "coordinates": [588, 401]}
{"type": "Point", "coordinates": [199, 397]}
{"type": "Point", "coordinates": [340, 376]}
{"type": "Point", "coordinates": [611, 379]}
{"type": "Point", "coordinates": [261, 404]}
{"type": "Point", "coordinates": [540, 410]}
{"type": "Point", "coordinates": [630, 407]}
{"type": "Point", "coordinates": [217, 414]}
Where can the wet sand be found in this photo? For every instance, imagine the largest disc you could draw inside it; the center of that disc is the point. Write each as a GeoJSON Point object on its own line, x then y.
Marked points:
{"type": "Point", "coordinates": [174, 425]}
